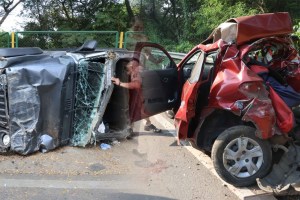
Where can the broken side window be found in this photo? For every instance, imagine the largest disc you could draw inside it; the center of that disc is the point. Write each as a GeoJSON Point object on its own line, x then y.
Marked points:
{"type": "Point", "coordinates": [90, 84]}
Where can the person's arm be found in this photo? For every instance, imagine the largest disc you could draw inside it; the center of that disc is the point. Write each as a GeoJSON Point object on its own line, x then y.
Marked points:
{"type": "Point", "coordinates": [130, 85]}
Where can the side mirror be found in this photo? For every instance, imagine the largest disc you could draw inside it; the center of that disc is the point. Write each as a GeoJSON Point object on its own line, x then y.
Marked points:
{"type": "Point", "coordinates": [89, 45]}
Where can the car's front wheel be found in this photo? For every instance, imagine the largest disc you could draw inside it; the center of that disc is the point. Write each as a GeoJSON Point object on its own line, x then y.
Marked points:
{"type": "Point", "coordinates": [239, 157]}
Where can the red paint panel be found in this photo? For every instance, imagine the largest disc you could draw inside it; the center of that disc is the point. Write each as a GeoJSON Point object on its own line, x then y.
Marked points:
{"type": "Point", "coordinates": [238, 88]}
{"type": "Point", "coordinates": [263, 25]}
{"type": "Point", "coordinates": [187, 107]}
{"type": "Point", "coordinates": [261, 113]}
{"type": "Point", "coordinates": [181, 129]}
{"type": "Point", "coordinates": [186, 110]}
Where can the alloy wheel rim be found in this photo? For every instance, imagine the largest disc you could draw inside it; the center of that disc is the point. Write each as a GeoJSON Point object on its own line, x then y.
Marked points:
{"type": "Point", "coordinates": [243, 157]}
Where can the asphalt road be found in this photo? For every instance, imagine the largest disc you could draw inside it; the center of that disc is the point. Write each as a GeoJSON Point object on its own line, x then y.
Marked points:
{"type": "Point", "coordinates": [148, 166]}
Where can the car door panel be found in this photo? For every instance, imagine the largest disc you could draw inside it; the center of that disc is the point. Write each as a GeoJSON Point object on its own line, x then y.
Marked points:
{"type": "Point", "coordinates": [159, 90]}
{"type": "Point", "coordinates": [159, 79]}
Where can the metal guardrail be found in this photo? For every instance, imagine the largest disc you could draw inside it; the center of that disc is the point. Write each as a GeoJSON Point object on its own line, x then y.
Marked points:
{"type": "Point", "coordinates": [60, 39]}
{"type": "Point", "coordinates": [129, 35]}
{"type": "Point", "coordinates": [177, 56]}
{"type": "Point", "coordinates": [4, 39]}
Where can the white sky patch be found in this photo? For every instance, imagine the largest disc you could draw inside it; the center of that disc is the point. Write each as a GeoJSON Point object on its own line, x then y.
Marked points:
{"type": "Point", "coordinates": [14, 22]}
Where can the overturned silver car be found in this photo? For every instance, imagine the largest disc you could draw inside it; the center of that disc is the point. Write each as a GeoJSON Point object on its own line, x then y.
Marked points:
{"type": "Point", "coordinates": [55, 98]}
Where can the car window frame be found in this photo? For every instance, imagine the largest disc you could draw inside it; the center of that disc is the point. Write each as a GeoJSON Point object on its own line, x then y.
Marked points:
{"type": "Point", "coordinates": [197, 69]}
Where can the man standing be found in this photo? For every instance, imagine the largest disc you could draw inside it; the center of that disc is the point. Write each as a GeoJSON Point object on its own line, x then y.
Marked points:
{"type": "Point", "coordinates": [133, 70]}
{"type": "Point", "coordinates": [137, 35]}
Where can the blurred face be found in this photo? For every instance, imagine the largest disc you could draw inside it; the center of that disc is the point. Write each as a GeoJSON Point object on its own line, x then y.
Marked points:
{"type": "Point", "coordinates": [138, 26]}
{"type": "Point", "coordinates": [131, 66]}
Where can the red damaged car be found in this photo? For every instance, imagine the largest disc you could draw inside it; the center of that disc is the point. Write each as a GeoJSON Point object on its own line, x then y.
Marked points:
{"type": "Point", "coordinates": [241, 95]}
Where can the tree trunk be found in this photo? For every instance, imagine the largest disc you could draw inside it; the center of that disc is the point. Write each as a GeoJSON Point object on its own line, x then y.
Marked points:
{"type": "Point", "coordinates": [173, 4]}
{"type": "Point", "coordinates": [129, 9]}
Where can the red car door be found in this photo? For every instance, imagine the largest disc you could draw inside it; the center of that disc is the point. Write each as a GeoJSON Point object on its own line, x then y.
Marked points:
{"type": "Point", "coordinates": [186, 110]}
{"type": "Point", "coordinates": [160, 85]}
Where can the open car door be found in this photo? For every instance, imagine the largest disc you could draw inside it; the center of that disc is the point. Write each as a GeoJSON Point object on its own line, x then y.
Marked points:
{"type": "Point", "coordinates": [159, 79]}
{"type": "Point", "coordinates": [195, 92]}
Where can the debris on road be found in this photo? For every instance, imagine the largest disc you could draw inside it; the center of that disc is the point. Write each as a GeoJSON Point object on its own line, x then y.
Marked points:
{"type": "Point", "coordinates": [284, 177]}
{"type": "Point", "coordinates": [105, 146]}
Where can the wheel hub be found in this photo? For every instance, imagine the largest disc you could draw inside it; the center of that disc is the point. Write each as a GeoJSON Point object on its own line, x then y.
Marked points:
{"type": "Point", "coordinates": [243, 157]}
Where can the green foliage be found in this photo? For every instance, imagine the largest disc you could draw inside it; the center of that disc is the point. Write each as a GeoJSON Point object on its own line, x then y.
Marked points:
{"type": "Point", "coordinates": [291, 6]}
{"type": "Point", "coordinates": [4, 39]}
{"type": "Point", "coordinates": [182, 46]}
{"type": "Point", "coordinates": [214, 12]}
{"type": "Point", "coordinates": [113, 18]}
{"type": "Point", "coordinates": [175, 24]}
{"type": "Point", "coordinates": [297, 28]}
{"type": "Point", "coordinates": [65, 39]}
{"type": "Point", "coordinates": [297, 33]}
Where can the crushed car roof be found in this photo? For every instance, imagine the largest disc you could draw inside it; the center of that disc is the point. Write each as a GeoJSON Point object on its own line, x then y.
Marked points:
{"type": "Point", "coordinates": [248, 28]}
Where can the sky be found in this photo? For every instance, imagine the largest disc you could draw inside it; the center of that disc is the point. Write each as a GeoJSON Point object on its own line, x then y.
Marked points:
{"type": "Point", "coordinates": [13, 22]}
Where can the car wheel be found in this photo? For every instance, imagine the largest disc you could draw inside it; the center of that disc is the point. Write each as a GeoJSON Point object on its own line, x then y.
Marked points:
{"type": "Point", "coordinates": [239, 157]}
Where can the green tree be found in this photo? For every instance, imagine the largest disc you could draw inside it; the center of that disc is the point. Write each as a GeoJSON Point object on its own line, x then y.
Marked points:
{"type": "Point", "coordinates": [291, 6]}
{"type": "Point", "coordinates": [69, 14]}
{"type": "Point", "coordinates": [297, 36]}
{"type": "Point", "coordinates": [176, 24]}
{"type": "Point", "coordinates": [214, 12]}
{"type": "Point", "coordinates": [75, 15]}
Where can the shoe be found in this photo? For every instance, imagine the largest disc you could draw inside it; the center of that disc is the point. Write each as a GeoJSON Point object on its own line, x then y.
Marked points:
{"type": "Point", "coordinates": [170, 114]}
{"type": "Point", "coordinates": [151, 127]}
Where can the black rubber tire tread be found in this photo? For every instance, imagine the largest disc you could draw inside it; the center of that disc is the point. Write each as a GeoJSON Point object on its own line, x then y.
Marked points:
{"type": "Point", "coordinates": [223, 140]}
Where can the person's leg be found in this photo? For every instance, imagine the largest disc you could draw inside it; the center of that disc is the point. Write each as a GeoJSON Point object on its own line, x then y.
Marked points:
{"type": "Point", "coordinates": [150, 127]}
{"type": "Point", "coordinates": [148, 122]}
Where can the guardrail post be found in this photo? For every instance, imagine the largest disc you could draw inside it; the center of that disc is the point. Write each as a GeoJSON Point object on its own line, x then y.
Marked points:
{"type": "Point", "coordinates": [12, 39]}
{"type": "Point", "coordinates": [121, 40]}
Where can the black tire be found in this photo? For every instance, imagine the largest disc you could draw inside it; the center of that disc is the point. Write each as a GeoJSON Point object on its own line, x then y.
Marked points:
{"type": "Point", "coordinates": [249, 166]}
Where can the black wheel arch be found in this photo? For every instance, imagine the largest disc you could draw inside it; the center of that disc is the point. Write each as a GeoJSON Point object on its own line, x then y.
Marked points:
{"type": "Point", "coordinates": [214, 125]}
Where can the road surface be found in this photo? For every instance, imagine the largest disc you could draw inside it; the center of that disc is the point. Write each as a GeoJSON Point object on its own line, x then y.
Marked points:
{"type": "Point", "coordinates": [148, 166]}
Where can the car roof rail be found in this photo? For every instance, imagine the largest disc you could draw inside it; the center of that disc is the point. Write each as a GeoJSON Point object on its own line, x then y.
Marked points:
{"type": "Point", "coordinates": [22, 51]}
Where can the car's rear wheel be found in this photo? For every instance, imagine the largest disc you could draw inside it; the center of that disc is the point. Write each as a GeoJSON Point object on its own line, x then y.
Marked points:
{"type": "Point", "coordinates": [239, 157]}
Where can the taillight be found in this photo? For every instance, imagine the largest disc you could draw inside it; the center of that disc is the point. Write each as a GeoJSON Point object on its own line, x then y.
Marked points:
{"type": "Point", "coordinates": [253, 89]}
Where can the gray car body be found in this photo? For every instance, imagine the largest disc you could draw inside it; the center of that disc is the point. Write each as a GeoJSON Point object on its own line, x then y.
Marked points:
{"type": "Point", "coordinates": [41, 96]}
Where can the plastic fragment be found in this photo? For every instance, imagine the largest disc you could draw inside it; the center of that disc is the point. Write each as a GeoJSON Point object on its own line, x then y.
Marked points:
{"type": "Point", "coordinates": [115, 142]}
{"type": "Point", "coordinates": [105, 146]}
{"type": "Point", "coordinates": [101, 128]}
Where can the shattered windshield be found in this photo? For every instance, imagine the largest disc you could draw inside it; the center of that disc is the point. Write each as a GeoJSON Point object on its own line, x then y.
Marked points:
{"type": "Point", "coordinates": [90, 84]}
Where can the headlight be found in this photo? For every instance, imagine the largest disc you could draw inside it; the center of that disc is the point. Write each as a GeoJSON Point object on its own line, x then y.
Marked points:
{"type": "Point", "coordinates": [6, 139]}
